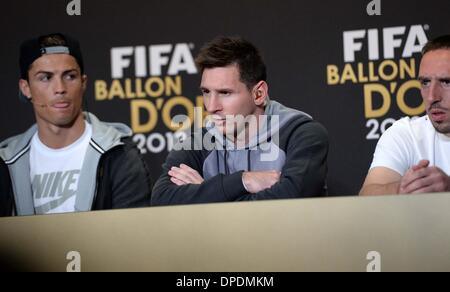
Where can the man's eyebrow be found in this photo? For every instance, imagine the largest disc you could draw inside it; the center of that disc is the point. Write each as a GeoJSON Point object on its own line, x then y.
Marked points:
{"type": "Point", "coordinates": [217, 89]}
{"type": "Point", "coordinates": [444, 78]}
{"type": "Point", "coordinates": [70, 71]}
{"type": "Point", "coordinates": [52, 73]}
{"type": "Point", "coordinates": [43, 72]}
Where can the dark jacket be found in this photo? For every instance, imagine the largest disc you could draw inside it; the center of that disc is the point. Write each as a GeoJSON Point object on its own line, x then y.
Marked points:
{"type": "Point", "coordinates": [299, 146]}
{"type": "Point", "coordinates": [113, 175]}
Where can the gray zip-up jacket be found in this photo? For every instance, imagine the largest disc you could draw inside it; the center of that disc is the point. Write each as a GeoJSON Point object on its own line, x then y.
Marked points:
{"type": "Point", "coordinates": [294, 144]}
{"type": "Point", "coordinates": [113, 175]}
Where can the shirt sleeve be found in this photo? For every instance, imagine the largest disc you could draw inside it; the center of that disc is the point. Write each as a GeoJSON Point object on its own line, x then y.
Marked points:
{"type": "Point", "coordinates": [395, 148]}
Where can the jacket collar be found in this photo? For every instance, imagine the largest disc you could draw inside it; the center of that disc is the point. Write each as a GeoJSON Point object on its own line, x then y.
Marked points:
{"type": "Point", "coordinates": [105, 136]}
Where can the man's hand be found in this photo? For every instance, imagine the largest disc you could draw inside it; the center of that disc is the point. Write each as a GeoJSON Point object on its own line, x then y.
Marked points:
{"type": "Point", "coordinates": [424, 179]}
{"type": "Point", "coordinates": [184, 175]}
{"type": "Point", "coordinates": [259, 181]}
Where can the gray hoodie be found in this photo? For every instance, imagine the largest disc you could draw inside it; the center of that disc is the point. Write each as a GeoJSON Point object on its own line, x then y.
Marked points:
{"type": "Point", "coordinates": [288, 141]}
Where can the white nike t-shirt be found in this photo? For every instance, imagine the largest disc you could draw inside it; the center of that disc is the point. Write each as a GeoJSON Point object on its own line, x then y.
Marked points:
{"type": "Point", "coordinates": [55, 174]}
{"type": "Point", "coordinates": [408, 141]}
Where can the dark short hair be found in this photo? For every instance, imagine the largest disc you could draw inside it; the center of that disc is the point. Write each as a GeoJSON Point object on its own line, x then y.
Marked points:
{"type": "Point", "coordinates": [224, 51]}
{"type": "Point", "coordinates": [33, 49]}
{"type": "Point", "coordinates": [442, 42]}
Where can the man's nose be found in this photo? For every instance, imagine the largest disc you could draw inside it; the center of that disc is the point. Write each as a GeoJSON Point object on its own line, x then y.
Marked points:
{"type": "Point", "coordinates": [213, 105]}
{"type": "Point", "coordinates": [59, 86]}
{"type": "Point", "coordinates": [434, 92]}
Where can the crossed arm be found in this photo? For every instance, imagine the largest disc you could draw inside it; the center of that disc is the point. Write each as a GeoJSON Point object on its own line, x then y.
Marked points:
{"type": "Point", "coordinates": [303, 175]}
{"type": "Point", "coordinates": [254, 181]}
{"type": "Point", "coordinates": [419, 179]}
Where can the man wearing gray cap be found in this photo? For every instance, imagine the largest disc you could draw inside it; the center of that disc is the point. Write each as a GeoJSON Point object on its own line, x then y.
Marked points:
{"type": "Point", "coordinates": [69, 161]}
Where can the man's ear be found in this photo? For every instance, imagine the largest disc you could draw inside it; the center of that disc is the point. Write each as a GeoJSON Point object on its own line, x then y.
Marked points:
{"type": "Point", "coordinates": [260, 93]}
{"type": "Point", "coordinates": [84, 80]}
{"type": "Point", "coordinates": [24, 87]}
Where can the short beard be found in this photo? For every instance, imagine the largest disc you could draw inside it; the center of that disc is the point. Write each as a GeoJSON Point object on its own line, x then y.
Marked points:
{"type": "Point", "coordinates": [443, 128]}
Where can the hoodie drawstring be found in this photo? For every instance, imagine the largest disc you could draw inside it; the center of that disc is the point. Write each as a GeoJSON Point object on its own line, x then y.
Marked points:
{"type": "Point", "coordinates": [227, 169]}
{"type": "Point", "coordinates": [218, 162]}
{"type": "Point", "coordinates": [249, 164]}
{"type": "Point", "coordinates": [225, 158]}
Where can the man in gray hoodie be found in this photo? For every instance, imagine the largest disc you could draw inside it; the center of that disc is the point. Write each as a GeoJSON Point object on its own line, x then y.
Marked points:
{"type": "Point", "coordinates": [69, 161]}
{"type": "Point", "coordinates": [252, 148]}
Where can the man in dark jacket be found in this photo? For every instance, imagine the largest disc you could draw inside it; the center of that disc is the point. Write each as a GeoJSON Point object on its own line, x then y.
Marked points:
{"type": "Point", "coordinates": [69, 161]}
{"type": "Point", "coordinates": [252, 148]}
